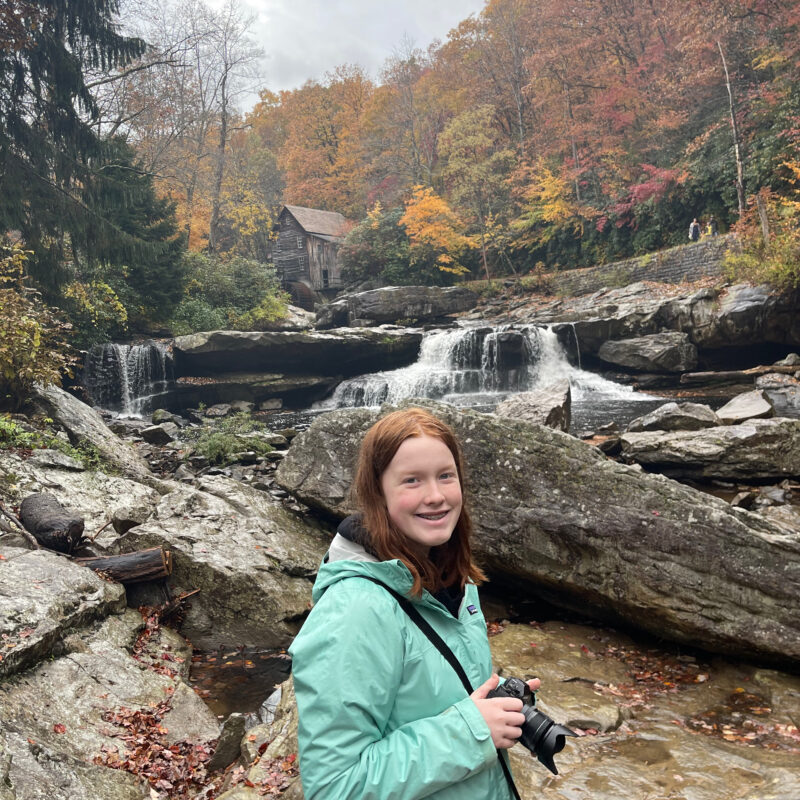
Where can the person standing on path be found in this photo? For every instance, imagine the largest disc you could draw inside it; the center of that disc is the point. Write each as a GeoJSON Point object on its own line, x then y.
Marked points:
{"type": "Point", "coordinates": [694, 230]}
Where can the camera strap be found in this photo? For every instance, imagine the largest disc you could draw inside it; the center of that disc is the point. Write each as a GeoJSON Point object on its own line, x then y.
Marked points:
{"type": "Point", "coordinates": [448, 655]}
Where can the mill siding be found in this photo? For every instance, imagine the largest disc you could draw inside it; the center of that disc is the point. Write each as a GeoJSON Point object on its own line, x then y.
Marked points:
{"type": "Point", "coordinates": [306, 248]}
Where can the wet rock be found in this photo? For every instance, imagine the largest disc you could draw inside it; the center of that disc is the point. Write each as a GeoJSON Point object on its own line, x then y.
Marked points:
{"type": "Point", "coordinates": [280, 740]}
{"type": "Point", "coordinates": [162, 415]}
{"type": "Point", "coordinates": [549, 406]}
{"type": "Point", "coordinates": [242, 407]}
{"type": "Point", "coordinates": [96, 674]}
{"type": "Point", "coordinates": [228, 746]}
{"type": "Point", "coordinates": [792, 360]}
{"type": "Point", "coordinates": [160, 434]}
{"type": "Point", "coordinates": [744, 500]}
{"type": "Point", "coordinates": [250, 558]}
{"type": "Point", "coordinates": [776, 380]}
{"type": "Point", "coordinates": [43, 595]}
{"type": "Point", "coordinates": [273, 404]}
{"type": "Point", "coordinates": [553, 514]}
{"type": "Point", "coordinates": [676, 417]}
{"type": "Point", "coordinates": [658, 352]}
{"type": "Point", "coordinates": [760, 449]}
{"type": "Point", "coordinates": [395, 303]}
{"type": "Point", "coordinates": [750, 405]}
{"type": "Point", "coordinates": [83, 424]}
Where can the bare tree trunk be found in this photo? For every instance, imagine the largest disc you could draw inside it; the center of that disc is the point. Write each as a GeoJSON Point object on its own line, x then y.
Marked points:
{"type": "Point", "coordinates": [736, 140]}
{"type": "Point", "coordinates": [762, 214]}
{"type": "Point", "coordinates": [213, 238]}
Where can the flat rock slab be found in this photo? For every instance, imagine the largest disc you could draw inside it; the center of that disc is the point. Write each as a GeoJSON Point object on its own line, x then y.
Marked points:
{"type": "Point", "coordinates": [754, 450]}
{"type": "Point", "coordinates": [658, 352]}
{"type": "Point", "coordinates": [342, 352]}
{"type": "Point", "coordinates": [750, 405]}
{"type": "Point", "coordinates": [95, 675]}
{"type": "Point", "coordinates": [251, 559]}
{"type": "Point", "coordinates": [565, 524]}
{"type": "Point", "coordinates": [676, 417]}
{"type": "Point", "coordinates": [42, 596]}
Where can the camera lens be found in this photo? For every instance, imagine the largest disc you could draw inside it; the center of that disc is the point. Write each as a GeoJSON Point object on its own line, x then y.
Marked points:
{"type": "Point", "coordinates": [543, 737]}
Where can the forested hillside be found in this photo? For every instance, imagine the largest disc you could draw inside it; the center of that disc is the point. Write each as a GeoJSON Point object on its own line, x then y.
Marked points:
{"type": "Point", "coordinates": [538, 135]}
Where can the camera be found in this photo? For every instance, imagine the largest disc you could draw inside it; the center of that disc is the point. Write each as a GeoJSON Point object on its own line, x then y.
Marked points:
{"type": "Point", "coordinates": [543, 737]}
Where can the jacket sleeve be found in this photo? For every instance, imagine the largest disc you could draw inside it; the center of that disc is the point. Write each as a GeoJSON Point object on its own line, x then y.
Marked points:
{"type": "Point", "coordinates": [348, 662]}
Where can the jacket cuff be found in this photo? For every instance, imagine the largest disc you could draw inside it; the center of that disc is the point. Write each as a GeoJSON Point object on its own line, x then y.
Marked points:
{"type": "Point", "coordinates": [478, 728]}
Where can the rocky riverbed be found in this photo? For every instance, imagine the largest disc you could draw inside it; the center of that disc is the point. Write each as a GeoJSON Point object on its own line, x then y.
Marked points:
{"type": "Point", "coordinates": [95, 699]}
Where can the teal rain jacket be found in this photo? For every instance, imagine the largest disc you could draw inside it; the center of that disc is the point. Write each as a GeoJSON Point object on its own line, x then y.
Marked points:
{"type": "Point", "coordinates": [383, 716]}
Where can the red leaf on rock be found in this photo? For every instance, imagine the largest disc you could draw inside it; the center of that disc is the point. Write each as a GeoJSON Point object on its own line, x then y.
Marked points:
{"type": "Point", "coordinates": [59, 728]}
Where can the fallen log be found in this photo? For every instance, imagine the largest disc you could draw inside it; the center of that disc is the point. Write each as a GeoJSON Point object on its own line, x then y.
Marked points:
{"type": "Point", "coordinates": [734, 376]}
{"type": "Point", "coordinates": [50, 523]}
{"type": "Point", "coordinates": [136, 567]}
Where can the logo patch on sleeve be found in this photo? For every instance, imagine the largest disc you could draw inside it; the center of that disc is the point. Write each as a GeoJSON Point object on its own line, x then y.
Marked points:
{"type": "Point", "coordinates": [472, 609]}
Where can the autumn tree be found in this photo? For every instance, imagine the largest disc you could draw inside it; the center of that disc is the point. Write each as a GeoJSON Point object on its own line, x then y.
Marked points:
{"type": "Point", "coordinates": [476, 172]}
{"type": "Point", "coordinates": [438, 241]}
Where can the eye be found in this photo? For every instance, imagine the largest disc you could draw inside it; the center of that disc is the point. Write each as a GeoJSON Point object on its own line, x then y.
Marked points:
{"type": "Point", "coordinates": [448, 476]}
{"type": "Point", "coordinates": [410, 479]}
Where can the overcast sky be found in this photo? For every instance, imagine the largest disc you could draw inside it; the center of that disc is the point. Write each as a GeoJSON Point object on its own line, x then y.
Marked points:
{"type": "Point", "coordinates": [303, 39]}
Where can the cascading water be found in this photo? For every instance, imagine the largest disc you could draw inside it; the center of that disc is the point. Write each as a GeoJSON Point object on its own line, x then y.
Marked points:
{"type": "Point", "coordinates": [125, 378]}
{"type": "Point", "coordinates": [478, 367]}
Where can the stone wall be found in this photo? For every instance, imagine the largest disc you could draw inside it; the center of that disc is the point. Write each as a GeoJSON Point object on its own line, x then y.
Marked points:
{"type": "Point", "coordinates": [687, 262]}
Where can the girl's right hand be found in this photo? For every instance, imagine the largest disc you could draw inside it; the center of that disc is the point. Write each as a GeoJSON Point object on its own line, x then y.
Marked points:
{"type": "Point", "coordinates": [503, 715]}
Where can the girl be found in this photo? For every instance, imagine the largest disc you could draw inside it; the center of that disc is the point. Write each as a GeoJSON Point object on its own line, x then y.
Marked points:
{"type": "Point", "coordinates": [383, 716]}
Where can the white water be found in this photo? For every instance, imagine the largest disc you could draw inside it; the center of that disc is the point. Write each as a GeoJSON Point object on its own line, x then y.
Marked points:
{"type": "Point", "coordinates": [124, 378]}
{"type": "Point", "coordinates": [478, 367]}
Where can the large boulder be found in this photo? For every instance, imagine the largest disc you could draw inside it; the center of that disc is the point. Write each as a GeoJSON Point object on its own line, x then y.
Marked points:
{"type": "Point", "coordinates": [658, 352]}
{"type": "Point", "coordinates": [85, 426]}
{"type": "Point", "coordinates": [422, 304]}
{"type": "Point", "coordinates": [760, 449]}
{"type": "Point", "coordinates": [676, 417]}
{"type": "Point", "coordinates": [251, 559]}
{"type": "Point", "coordinates": [550, 405]}
{"type": "Point", "coordinates": [344, 352]}
{"type": "Point", "coordinates": [556, 517]}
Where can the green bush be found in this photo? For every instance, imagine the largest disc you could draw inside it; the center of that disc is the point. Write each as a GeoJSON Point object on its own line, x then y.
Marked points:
{"type": "Point", "coordinates": [193, 315]}
{"type": "Point", "coordinates": [234, 434]}
{"type": "Point", "coordinates": [33, 336]}
{"type": "Point", "coordinates": [14, 437]}
{"type": "Point", "coordinates": [271, 309]}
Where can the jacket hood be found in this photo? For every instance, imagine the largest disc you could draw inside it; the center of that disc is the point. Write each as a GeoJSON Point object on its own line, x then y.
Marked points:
{"type": "Point", "coordinates": [347, 558]}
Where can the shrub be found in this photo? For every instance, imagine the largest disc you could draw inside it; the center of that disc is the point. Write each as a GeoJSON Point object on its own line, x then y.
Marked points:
{"type": "Point", "coordinates": [271, 309]}
{"type": "Point", "coordinates": [33, 336]}
{"type": "Point", "coordinates": [96, 312]}
{"type": "Point", "coordinates": [193, 315]}
{"type": "Point", "coordinates": [14, 437]}
{"type": "Point", "coordinates": [774, 259]}
{"type": "Point", "coordinates": [235, 434]}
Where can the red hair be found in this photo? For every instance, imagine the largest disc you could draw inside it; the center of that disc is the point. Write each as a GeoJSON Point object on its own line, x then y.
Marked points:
{"type": "Point", "coordinates": [447, 564]}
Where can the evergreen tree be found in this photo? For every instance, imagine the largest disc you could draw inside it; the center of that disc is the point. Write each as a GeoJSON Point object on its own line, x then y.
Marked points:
{"type": "Point", "coordinates": [49, 152]}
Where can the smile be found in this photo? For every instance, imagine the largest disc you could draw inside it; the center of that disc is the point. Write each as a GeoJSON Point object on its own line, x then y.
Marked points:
{"type": "Point", "coordinates": [433, 517]}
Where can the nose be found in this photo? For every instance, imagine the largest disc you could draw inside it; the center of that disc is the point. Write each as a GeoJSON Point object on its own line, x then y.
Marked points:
{"type": "Point", "coordinates": [433, 494]}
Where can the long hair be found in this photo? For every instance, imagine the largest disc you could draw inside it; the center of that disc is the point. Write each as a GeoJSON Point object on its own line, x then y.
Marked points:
{"type": "Point", "coordinates": [447, 564]}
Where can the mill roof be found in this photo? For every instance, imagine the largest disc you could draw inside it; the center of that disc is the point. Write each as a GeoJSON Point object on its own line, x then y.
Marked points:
{"type": "Point", "coordinates": [321, 223]}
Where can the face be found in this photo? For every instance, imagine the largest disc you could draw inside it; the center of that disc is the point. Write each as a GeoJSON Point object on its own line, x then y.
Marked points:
{"type": "Point", "coordinates": [422, 492]}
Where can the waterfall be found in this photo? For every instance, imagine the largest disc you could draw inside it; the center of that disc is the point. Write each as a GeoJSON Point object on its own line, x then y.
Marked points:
{"type": "Point", "coordinates": [477, 367]}
{"type": "Point", "coordinates": [125, 378]}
